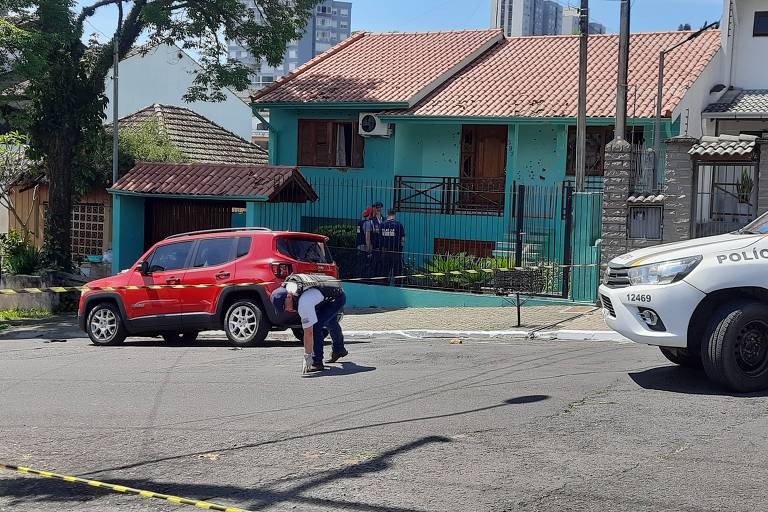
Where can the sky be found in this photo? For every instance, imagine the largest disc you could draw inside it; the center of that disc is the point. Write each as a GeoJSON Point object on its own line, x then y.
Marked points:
{"type": "Point", "coordinates": [421, 15]}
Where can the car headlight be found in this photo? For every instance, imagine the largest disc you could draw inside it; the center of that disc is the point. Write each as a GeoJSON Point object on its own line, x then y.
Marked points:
{"type": "Point", "coordinates": [664, 272]}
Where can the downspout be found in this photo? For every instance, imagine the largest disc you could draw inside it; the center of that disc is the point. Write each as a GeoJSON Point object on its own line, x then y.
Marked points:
{"type": "Point", "coordinates": [272, 150]}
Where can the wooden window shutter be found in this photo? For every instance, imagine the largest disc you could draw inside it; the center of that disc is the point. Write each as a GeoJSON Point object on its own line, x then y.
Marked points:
{"type": "Point", "coordinates": [307, 142]}
{"type": "Point", "coordinates": [323, 139]}
{"type": "Point", "coordinates": [358, 148]}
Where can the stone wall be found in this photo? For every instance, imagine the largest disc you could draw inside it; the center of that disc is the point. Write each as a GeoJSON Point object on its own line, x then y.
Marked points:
{"type": "Point", "coordinates": [762, 182]}
{"type": "Point", "coordinates": [615, 192]}
{"type": "Point", "coordinates": [678, 189]}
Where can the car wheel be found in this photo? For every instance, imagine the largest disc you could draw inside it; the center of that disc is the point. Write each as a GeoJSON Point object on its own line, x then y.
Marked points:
{"type": "Point", "coordinates": [245, 324]}
{"type": "Point", "coordinates": [682, 357]}
{"type": "Point", "coordinates": [735, 354]}
{"type": "Point", "coordinates": [181, 337]}
{"type": "Point", "coordinates": [105, 325]}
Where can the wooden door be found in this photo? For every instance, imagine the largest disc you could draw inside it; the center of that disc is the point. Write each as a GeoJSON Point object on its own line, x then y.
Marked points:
{"type": "Point", "coordinates": [483, 164]}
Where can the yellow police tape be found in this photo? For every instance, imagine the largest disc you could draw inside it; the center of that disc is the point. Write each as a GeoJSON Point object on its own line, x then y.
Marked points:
{"type": "Point", "coordinates": [123, 489]}
{"type": "Point", "coordinates": [67, 289]}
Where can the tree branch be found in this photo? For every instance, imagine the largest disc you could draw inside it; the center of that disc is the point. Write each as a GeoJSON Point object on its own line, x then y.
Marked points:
{"type": "Point", "coordinates": [91, 10]}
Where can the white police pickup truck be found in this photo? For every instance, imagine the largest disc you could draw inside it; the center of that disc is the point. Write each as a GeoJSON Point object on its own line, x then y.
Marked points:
{"type": "Point", "coordinates": [703, 302]}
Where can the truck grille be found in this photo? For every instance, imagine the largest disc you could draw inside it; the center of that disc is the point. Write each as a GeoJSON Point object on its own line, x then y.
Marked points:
{"type": "Point", "coordinates": [608, 305]}
{"type": "Point", "coordinates": [616, 278]}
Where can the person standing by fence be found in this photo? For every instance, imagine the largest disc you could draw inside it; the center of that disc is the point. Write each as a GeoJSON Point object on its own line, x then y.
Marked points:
{"type": "Point", "coordinates": [373, 239]}
{"type": "Point", "coordinates": [392, 242]}
{"type": "Point", "coordinates": [361, 242]}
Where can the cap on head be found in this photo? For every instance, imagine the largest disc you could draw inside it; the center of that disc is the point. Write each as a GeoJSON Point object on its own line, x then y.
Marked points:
{"type": "Point", "coordinates": [378, 204]}
{"type": "Point", "coordinates": [368, 212]}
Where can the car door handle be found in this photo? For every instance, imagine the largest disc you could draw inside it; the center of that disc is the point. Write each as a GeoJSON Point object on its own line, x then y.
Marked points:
{"type": "Point", "coordinates": [222, 275]}
{"type": "Point", "coordinates": [172, 280]}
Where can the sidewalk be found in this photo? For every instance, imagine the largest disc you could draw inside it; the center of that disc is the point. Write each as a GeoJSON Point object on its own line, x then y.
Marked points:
{"type": "Point", "coordinates": [545, 320]}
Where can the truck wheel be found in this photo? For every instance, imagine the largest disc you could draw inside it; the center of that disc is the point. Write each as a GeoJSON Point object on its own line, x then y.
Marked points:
{"type": "Point", "coordinates": [682, 357]}
{"type": "Point", "coordinates": [245, 324]}
{"type": "Point", "coordinates": [735, 354]}
{"type": "Point", "coordinates": [105, 325]}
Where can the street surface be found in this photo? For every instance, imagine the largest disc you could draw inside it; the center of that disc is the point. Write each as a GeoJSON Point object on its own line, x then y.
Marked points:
{"type": "Point", "coordinates": [420, 425]}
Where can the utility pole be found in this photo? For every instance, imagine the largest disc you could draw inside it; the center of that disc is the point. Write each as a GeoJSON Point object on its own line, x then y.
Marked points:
{"type": "Point", "coordinates": [581, 120]}
{"type": "Point", "coordinates": [621, 87]}
{"type": "Point", "coordinates": [115, 80]}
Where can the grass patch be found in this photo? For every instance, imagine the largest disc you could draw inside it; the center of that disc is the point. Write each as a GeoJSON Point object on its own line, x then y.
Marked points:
{"type": "Point", "coordinates": [23, 314]}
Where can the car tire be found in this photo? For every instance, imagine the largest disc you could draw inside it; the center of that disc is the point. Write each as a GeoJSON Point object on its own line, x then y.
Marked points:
{"type": "Point", "coordinates": [181, 337]}
{"type": "Point", "coordinates": [246, 324]}
{"type": "Point", "coordinates": [735, 354]}
{"type": "Point", "coordinates": [105, 325]}
{"type": "Point", "coordinates": [682, 357]}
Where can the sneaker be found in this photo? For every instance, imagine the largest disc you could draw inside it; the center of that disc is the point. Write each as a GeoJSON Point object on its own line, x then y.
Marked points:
{"type": "Point", "coordinates": [335, 356]}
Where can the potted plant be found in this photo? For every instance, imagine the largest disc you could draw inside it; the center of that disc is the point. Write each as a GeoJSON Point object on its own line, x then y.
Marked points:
{"type": "Point", "coordinates": [744, 187]}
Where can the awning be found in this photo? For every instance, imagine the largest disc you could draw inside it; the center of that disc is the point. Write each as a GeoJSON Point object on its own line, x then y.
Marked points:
{"type": "Point", "coordinates": [725, 146]}
{"type": "Point", "coordinates": [275, 184]}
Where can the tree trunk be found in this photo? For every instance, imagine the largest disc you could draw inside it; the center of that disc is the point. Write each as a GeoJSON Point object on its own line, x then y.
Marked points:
{"type": "Point", "coordinates": [58, 216]}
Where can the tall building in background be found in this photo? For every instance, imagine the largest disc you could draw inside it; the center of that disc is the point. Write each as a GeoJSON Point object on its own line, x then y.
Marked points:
{"type": "Point", "coordinates": [570, 23]}
{"type": "Point", "coordinates": [527, 17]}
{"type": "Point", "coordinates": [330, 23]}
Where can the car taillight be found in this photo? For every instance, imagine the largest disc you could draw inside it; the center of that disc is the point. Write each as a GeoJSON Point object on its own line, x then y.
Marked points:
{"type": "Point", "coordinates": [282, 270]}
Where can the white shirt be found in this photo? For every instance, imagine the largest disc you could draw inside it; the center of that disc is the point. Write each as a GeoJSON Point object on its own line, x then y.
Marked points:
{"type": "Point", "coordinates": [308, 301]}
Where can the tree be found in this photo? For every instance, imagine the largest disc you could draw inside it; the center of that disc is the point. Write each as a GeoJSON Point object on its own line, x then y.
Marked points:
{"type": "Point", "coordinates": [14, 168]}
{"type": "Point", "coordinates": [684, 26]}
{"type": "Point", "coordinates": [41, 42]}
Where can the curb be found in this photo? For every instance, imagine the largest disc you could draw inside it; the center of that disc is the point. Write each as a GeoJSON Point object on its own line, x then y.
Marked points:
{"type": "Point", "coordinates": [561, 335]}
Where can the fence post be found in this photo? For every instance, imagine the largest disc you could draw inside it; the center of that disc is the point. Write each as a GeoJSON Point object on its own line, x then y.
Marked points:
{"type": "Point", "coordinates": [567, 246]}
{"type": "Point", "coordinates": [519, 227]}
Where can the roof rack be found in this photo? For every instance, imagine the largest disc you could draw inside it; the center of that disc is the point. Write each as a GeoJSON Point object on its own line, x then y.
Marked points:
{"type": "Point", "coordinates": [211, 231]}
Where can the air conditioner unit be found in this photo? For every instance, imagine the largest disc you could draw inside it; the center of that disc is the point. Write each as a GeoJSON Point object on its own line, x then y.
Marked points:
{"type": "Point", "coordinates": [369, 125]}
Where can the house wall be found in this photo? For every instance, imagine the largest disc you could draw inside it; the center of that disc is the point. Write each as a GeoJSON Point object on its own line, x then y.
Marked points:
{"type": "Point", "coordinates": [748, 51]}
{"type": "Point", "coordinates": [163, 76]}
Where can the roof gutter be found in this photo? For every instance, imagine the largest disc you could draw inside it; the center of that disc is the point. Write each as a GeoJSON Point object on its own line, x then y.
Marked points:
{"type": "Point", "coordinates": [273, 147]}
{"type": "Point", "coordinates": [735, 115]}
{"type": "Point", "coordinates": [187, 196]}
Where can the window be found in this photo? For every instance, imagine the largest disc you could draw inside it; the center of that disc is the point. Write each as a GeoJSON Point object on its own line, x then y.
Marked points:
{"type": "Point", "coordinates": [344, 24]}
{"type": "Point", "coordinates": [761, 24]}
{"type": "Point", "coordinates": [87, 229]}
{"type": "Point", "coordinates": [597, 138]}
{"type": "Point", "coordinates": [645, 222]}
{"type": "Point", "coordinates": [321, 47]}
{"type": "Point", "coordinates": [291, 54]}
{"type": "Point", "coordinates": [291, 66]}
{"type": "Point", "coordinates": [267, 79]}
{"type": "Point", "coordinates": [323, 9]}
{"type": "Point", "coordinates": [325, 143]}
{"type": "Point", "coordinates": [306, 250]}
{"type": "Point", "coordinates": [169, 257]}
{"type": "Point", "coordinates": [214, 251]}
{"type": "Point", "coordinates": [323, 35]}
{"type": "Point", "coordinates": [344, 12]}
{"type": "Point", "coordinates": [243, 246]}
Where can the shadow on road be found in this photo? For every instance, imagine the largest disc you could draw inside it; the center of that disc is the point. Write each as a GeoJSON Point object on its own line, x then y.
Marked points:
{"type": "Point", "coordinates": [22, 490]}
{"type": "Point", "coordinates": [346, 368]}
{"type": "Point", "coordinates": [676, 379]}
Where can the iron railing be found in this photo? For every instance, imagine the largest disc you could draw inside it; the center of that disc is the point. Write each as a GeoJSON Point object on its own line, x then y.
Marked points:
{"type": "Point", "coordinates": [450, 195]}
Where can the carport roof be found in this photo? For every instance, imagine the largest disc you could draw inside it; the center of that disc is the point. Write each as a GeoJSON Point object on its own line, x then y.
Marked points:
{"type": "Point", "coordinates": [277, 184]}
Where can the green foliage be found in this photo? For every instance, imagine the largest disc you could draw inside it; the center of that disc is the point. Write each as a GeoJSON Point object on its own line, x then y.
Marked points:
{"type": "Point", "coordinates": [20, 256]}
{"type": "Point", "coordinates": [24, 314]}
{"type": "Point", "coordinates": [147, 143]}
{"type": "Point", "coordinates": [447, 263]}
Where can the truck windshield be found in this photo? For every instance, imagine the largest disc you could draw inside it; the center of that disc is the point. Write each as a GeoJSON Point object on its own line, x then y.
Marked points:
{"type": "Point", "coordinates": [757, 226]}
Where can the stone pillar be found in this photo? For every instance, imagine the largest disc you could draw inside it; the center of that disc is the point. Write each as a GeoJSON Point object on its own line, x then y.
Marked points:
{"type": "Point", "coordinates": [618, 164]}
{"type": "Point", "coordinates": [762, 180]}
{"type": "Point", "coordinates": [678, 189]}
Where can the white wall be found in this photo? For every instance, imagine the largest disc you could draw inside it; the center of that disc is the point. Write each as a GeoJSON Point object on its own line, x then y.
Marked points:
{"type": "Point", "coordinates": [698, 97]}
{"type": "Point", "coordinates": [163, 76]}
{"type": "Point", "coordinates": [749, 52]}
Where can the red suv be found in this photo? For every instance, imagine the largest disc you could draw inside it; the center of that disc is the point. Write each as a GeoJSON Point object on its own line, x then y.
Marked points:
{"type": "Point", "coordinates": [229, 261]}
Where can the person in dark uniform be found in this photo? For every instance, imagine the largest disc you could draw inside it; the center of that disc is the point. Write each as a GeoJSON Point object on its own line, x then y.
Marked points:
{"type": "Point", "coordinates": [319, 300]}
{"type": "Point", "coordinates": [392, 241]}
{"type": "Point", "coordinates": [374, 240]}
{"type": "Point", "coordinates": [363, 251]}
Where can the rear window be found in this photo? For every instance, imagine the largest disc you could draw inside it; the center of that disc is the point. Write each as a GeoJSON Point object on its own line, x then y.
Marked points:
{"type": "Point", "coordinates": [302, 249]}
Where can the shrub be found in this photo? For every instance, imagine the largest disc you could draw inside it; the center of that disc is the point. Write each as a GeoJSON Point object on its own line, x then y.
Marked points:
{"type": "Point", "coordinates": [341, 240]}
{"type": "Point", "coordinates": [20, 256]}
{"type": "Point", "coordinates": [447, 263]}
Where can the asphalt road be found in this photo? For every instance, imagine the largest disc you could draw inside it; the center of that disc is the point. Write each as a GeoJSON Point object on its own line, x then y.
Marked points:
{"type": "Point", "coordinates": [400, 426]}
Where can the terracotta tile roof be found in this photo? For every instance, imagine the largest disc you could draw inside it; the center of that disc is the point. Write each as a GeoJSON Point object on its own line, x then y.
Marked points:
{"type": "Point", "coordinates": [538, 77]}
{"type": "Point", "coordinates": [398, 67]}
{"type": "Point", "coordinates": [267, 183]}
{"type": "Point", "coordinates": [198, 138]}
{"type": "Point", "coordinates": [743, 102]}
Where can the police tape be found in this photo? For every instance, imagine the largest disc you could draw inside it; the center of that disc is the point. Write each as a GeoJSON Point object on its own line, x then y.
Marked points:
{"type": "Point", "coordinates": [421, 275]}
{"type": "Point", "coordinates": [123, 489]}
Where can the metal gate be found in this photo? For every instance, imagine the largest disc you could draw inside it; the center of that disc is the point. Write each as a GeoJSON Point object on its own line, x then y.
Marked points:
{"type": "Point", "coordinates": [726, 196]}
{"type": "Point", "coordinates": [165, 217]}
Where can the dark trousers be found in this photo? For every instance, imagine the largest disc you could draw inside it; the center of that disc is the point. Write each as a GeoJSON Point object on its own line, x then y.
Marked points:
{"type": "Point", "coordinates": [393, 266]}
{"type": "Point", "coordinates": [327, 317]}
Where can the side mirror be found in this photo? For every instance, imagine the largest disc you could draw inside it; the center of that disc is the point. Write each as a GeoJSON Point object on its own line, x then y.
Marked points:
{"type": "Point", "coordinates": [143, 267]}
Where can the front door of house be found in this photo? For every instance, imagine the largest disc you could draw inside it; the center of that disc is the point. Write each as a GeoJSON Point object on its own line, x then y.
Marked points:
{"type": "Point", "coordinates": [483, 164]}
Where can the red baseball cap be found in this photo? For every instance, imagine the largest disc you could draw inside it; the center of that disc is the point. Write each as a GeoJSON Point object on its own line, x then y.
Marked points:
{"type": "Point", "coordinates": [367, 212]}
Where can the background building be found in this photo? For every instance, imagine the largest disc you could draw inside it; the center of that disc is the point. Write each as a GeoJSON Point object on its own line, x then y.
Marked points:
{"type": "Point", "coordinates": [527, 17]}
{"type": "Point", "coordinates": [570, 23]}
{"type": "Point", "coordinates": [329, 24]}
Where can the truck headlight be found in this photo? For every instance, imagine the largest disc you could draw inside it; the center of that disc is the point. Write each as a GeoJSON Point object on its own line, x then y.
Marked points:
{"type": "Point", "coordinates": [664, 272]}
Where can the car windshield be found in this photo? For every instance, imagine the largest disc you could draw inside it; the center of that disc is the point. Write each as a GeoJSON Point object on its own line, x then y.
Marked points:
{"type": "Point", "coordinates": [306, 250]}
{"type": "Point", "coordinates": [757, 226]}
